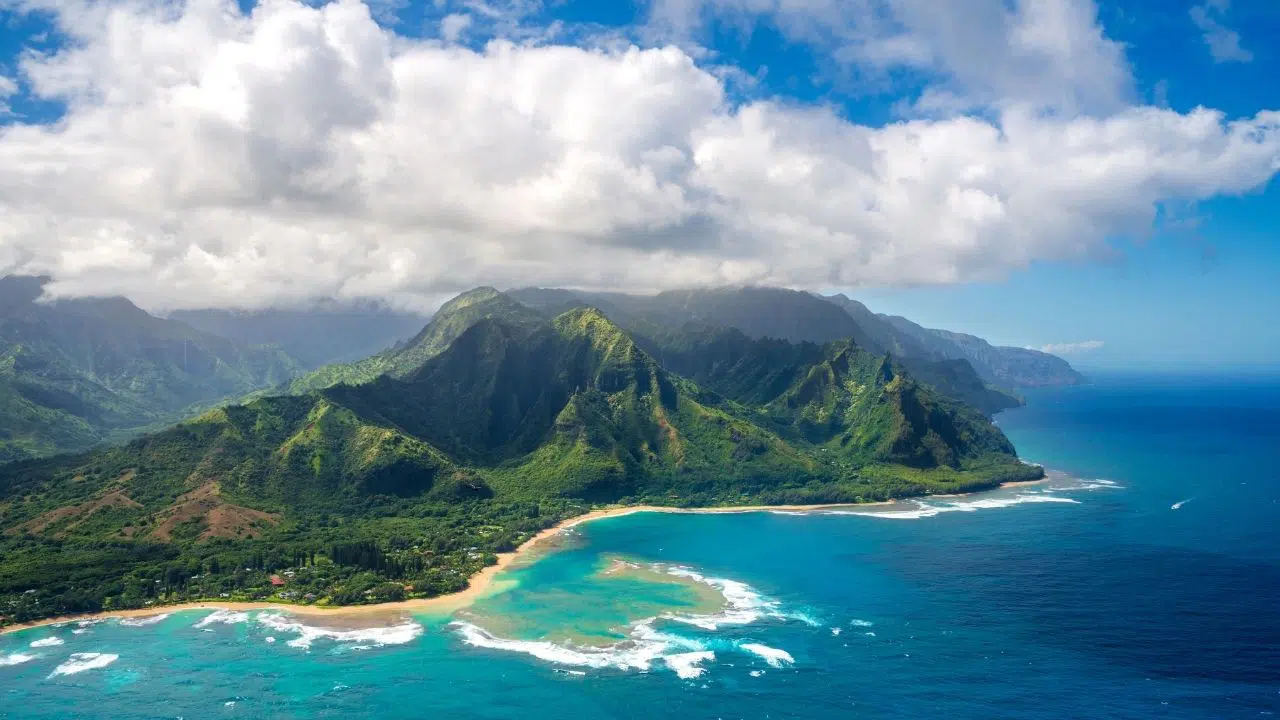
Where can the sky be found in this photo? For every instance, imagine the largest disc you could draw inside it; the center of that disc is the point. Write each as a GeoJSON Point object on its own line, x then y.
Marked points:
{"type": "Point", "coordinates": [1096, 179]}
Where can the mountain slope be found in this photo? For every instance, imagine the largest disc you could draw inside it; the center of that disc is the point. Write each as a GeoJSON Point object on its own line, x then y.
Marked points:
{"type": "Point", "coordinates": [1005, 366]}
{"type": "Point", "coordinates": [75, 372]}
{"type": "Point", "coordinates": [410, 478]}
{"type": "Point", "coordinates": [450, 321]}
{"type": "Point", "coordinates": [781, 314]}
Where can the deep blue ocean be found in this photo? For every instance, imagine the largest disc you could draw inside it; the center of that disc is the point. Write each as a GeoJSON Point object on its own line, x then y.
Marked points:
{"type": "Point", "coordinates": [1141, 581]}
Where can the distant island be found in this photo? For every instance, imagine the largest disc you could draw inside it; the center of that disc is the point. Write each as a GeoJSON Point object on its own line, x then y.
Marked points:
{"type": "Point", "coordinates": [402, 475]}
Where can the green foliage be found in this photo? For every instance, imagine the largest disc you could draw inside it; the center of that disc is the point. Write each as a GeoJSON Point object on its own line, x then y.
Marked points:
{"type": "Point", "coordinates": [74, 373]}
{"type": "Point", "coordinates": [404, 485]}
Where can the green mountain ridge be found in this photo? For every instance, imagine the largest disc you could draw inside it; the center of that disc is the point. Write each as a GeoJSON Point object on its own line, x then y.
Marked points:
{"type": "Point", "coordinates": [74, 373]}
{"type": "Point", "coordinates": [780, 314]}
{"type": "Point", "coordinates": [1011, 367]}
{"type": "Point", "coordinates": [517, 422]}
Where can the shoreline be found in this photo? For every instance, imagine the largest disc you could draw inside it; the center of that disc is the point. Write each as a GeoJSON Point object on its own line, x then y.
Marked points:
{"type": "Point", "coordinates": [478, 585]}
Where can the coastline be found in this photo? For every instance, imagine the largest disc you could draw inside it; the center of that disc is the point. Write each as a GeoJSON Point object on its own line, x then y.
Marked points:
{"type": "Point", "coordinates": [478, 585]}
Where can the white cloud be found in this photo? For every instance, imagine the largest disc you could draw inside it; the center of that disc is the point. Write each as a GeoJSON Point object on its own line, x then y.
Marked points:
{"type": "Point", "coordinates": [8, 88]}
{"type": "Point", "coordinates": [1045, 53]}
{"type": "Point", "coordinates": [213, 158]}
{"type": "Point", "coordinates": [453, 25]}
{"type": "Point", "coordinates": [1224, 43]}
{"type": "Point", "coordinates": [1071, 348]}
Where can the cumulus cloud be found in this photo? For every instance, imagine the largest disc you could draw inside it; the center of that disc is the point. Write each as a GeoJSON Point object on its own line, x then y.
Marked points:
{"type": "Point", "coordinates": [1224, 43]}
{"type": "Point", "coordinates": [1071, 348]}
{"type": "Point", "coordinates": [1047, 53]}
{"type": "Point", "coordinates": [212, 157]}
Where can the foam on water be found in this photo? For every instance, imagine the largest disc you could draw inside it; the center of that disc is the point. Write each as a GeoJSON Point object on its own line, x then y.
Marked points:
{"type": "Point", "coordinates": [928, 510]}
{"type": "Point", "coordinates": [860, 623]}
{"type": "Point", "coordinates": [80, 662]}
{"type": "Point", "coordinates": [645, 644]}
{"type": "Point", "coordinates": [636, 653]}
{"type": "Point", "coordinates": [687, 666]}
{"type": "Point", "coordinates": [375, 637]}
{"type": "Point", "coordinates": [143, 621]}
{"type": "Point", "coordinates": [223, 617]}
{"type": "Point", "coordinates": [775, 657]}
{"type": "Point", "coordinates": [47, 642]}
{"type": "Point", "coordinates": [15, 659]}
{"type": "Point", "coordinates": [743, 605]}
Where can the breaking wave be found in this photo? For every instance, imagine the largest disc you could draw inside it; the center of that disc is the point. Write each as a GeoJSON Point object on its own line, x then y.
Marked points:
{"type": "Point", "coordinates": [143, 621]}
{"type": "Point", "coordinates": [15, 659]}
{"type": "Point", "coordinates": [743, 605]}
{"type": "Point", "coordinates": [223, 617]}
{"type": "Point", "coordinates": [307, 634]}
{"type": "Point", "coordinates": [80, 662]}
{"type": "Point", "coordinates": [928, 510]}
{"type": "Point", "coordinates": [638, 652]}
{"type": "Point", "coordinates": [47, 642]}
{"type": "Point", "coordinates": [775, 657]}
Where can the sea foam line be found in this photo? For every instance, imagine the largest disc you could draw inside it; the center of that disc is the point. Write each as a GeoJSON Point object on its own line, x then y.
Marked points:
{"type": "Point", "coordinates": [638, 652]}
{"type": "Point", "coordinates": [928, 510]}
{"type": "Point", "coordinates": [743, 605]}
{"type": "Point", "coordinates": [144, 621]}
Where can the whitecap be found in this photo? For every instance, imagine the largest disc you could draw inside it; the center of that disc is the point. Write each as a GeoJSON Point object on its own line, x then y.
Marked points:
{"type": "Point", "coordinates": [757, 673]}
{"type": "Point", "coordinates": [223, 617]}
{"type": "Point", "coordinates": [81, 631]}
{"type": "Point", "coordinates": [144, 621]}
{"type": "Point", "coordinates": [775, 657]}
{"type": "Point", "coordinates": [860, 623]}
{"type": "Point", "coordinates": [743, 605]}
{"type": "Point", "coordinates": [15, 659]}
{"type": "Point", "coordinates": [928, 510]}
{"type": "Point", "coordinates": [80, 662]}
{"type": "Point", "coordinates": [307, 634]}
{"type": "Point", "coordinates": [638, 652]}
{"type": "Point", "coordinates": [835, 631]}
{"type": "Point", "coordinates": [47, 642]}
{"type": "Point", "coordinates": [687, 666]}
{"type": "Point", "coordinates": [270, 640]}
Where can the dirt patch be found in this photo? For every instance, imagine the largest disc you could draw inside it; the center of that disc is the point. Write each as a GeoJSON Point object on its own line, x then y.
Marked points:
{"type": "Point", "coordinates": [78, 514]}
{"type": "Point", "coordinates": [221, 518]}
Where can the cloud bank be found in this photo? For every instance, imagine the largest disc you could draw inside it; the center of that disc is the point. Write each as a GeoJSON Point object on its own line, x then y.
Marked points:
{"type": "Point", "coordinates": [209, 157]}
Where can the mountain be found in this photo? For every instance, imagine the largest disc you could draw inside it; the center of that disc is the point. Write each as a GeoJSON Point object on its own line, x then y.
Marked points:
{"type": "Point", "coordinates": [1011, 367]}
{"type": "Point", "coordinates": [781, 314]}
{"type": "Point", "coordinates": [410, 478]}
{"type": "Point", "coordinates": [314, 337]}
{"type": "Point", "coordinates": [446, 325]}
{"type": "Point", "coordinates": [77, 372]}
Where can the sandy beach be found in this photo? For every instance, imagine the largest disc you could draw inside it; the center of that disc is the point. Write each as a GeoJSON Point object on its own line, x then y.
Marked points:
{"type": "Point", "coordinates": [479, 585]}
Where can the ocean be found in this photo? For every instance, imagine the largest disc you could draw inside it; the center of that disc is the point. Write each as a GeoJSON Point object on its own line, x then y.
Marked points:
{"type": "Point", "coordinates": [1141, 581]}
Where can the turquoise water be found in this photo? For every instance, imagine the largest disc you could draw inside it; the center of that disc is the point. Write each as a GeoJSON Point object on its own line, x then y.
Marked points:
{"type": "Point", "coordinates": [1088, 596]}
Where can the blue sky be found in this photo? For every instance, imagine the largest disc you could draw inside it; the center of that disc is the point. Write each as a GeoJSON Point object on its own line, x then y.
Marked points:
{"type": "Point", "coordinates": [1039, 172]}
